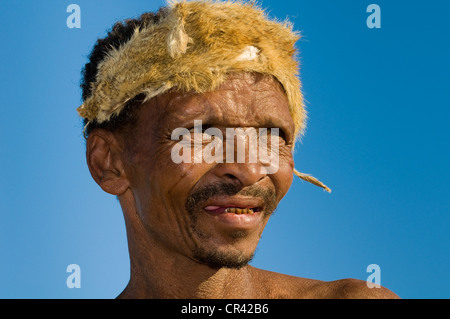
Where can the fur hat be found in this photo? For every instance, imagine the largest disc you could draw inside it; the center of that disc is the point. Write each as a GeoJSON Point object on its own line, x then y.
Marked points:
{"type": "Point", "coordinates": [193, 48]}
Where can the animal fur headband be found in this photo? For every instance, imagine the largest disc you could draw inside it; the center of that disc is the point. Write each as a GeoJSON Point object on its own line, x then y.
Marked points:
{"type": "Point", "coordinates": [193, 48]}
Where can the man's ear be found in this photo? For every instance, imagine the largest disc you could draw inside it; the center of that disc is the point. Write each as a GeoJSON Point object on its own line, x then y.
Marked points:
{"type": "Point", "coordinates": [103, 155]}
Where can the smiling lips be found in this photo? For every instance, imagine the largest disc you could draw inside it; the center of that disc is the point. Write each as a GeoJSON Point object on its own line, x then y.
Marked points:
{"type": "Point", "coordinates": [243, 214]}
{"type": "Point", "coordinates": [234, 210]}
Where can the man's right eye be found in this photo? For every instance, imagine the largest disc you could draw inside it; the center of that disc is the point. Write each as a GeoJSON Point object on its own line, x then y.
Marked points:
{"type": "Point", "coordinates": [198, 129]}
{"type": "Point", "coordinates": [199, 133]}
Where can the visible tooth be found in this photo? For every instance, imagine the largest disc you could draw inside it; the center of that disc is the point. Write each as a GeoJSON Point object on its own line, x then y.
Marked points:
{"type": "Point", "coordinates": [239, 211]}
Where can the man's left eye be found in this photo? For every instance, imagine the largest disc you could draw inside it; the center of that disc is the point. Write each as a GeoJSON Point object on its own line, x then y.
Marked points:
{"type": "Point", "coordinates": [275, 132]}
{"type": "Point", "coordinates": [281, 134]}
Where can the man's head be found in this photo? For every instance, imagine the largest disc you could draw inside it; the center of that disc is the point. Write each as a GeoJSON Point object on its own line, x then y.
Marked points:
{"type": "Point", "coordinates": [222, 64]}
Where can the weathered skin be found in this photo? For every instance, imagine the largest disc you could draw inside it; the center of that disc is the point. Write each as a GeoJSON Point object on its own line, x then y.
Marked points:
{"type": "Point", "coordinates": [152, 189]}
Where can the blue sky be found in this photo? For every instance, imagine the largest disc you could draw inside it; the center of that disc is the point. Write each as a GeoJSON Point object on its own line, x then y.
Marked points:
{"type": "Point", "coordinates": [378, 135]}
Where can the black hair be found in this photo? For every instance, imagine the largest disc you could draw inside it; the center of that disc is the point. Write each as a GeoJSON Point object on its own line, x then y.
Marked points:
{"type": "Point", "coordinates": [120, 33]}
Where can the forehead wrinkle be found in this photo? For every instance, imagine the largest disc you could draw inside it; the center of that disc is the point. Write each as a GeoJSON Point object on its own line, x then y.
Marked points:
{"type": "Point", "coordinates": [254, 104]}
{"type": "Point", "coordinates": [193, 107]}
{"type": "Point", "coordinates": [241, 101]}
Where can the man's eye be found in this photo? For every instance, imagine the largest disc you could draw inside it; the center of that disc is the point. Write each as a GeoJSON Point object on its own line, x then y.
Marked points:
{"type": "Point", "coordinates": [198, 129]}
{"type": "Point", "coordinates": [279, 132]}
{"type": "Point", "coordinates": [274, 132]}
{"type": "Point", "coordinates": [199, 132]}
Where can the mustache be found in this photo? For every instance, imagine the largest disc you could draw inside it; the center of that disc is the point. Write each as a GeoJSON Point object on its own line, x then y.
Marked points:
{"type": "Point", "coordinates": [198, 197]}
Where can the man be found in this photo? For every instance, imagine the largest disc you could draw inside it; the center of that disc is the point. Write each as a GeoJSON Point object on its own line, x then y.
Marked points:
{"type": "Point", "coordinates": [193, 221]}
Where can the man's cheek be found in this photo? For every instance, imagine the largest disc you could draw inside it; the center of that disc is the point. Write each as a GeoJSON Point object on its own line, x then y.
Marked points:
{"type": "Point", "coordinates": [284, 176]}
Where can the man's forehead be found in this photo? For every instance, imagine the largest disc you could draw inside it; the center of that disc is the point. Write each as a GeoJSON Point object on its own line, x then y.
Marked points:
{"type": "Point", "coordinates": [243, 95]}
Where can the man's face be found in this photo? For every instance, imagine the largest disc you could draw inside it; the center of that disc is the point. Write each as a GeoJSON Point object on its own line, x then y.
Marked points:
{"type": "Point", "coordinates": [192, 208]}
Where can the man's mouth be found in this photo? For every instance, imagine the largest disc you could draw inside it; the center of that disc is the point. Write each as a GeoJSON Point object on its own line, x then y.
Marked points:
{"type": "Point", "coordinates": [232, 209]}
{"type": "Point", "coordinates": [236, 212]}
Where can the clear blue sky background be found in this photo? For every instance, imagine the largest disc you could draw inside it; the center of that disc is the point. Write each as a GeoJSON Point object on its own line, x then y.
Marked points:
{"type": "Point", "coordinates": [378, 135]}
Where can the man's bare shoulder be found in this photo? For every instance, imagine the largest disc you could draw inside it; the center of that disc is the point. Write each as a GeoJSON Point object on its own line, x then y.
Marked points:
{"type": "Point", "coordinates": [355, 289]}
{"type": "Point", "coordinates": [286, 286]}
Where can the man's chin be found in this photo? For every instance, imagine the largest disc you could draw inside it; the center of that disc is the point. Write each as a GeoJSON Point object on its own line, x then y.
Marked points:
{"type": "Point", "coordinates": [223, 259]}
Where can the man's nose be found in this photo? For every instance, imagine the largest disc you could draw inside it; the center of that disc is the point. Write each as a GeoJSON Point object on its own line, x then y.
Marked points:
{"type": "Point", "coordinates": [245, 173]}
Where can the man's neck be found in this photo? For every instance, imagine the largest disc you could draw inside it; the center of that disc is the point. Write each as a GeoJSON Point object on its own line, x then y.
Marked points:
{"type": "Point", "coordinates": [158, 272]}
{"type": "Point", "coordinates": [180, 277]}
